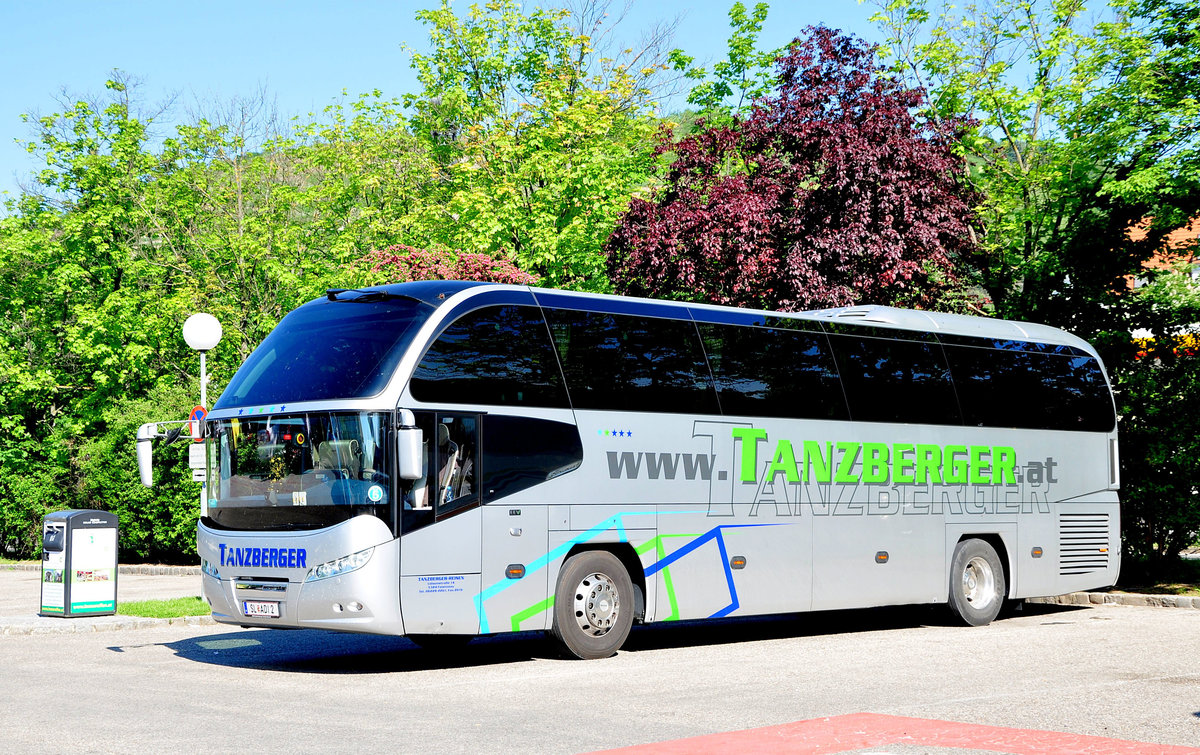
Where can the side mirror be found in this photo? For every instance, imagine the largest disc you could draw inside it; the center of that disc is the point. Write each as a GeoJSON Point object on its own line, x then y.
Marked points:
{"type": "Point", "coordinates": [408, 447]}
{"type": "Point", "coordinates": [145, 452]}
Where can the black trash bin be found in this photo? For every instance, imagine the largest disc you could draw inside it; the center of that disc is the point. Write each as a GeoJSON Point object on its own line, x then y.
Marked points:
{"type": "Point", "coordinates": [79, 563]}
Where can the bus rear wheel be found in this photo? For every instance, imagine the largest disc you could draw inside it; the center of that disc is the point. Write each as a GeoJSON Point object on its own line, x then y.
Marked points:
{"type": "Point", "coordinates": [977, 588]}
{"type": "Point", "coordinates": [593, 605]}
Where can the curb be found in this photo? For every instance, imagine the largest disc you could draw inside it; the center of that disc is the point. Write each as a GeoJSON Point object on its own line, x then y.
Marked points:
{"type": "Point", "coordinates": [148, 569]}
{"type": "Point", "coordinates": [45, 625]}
{"type": "Point", "coordinates": [1120, 599]}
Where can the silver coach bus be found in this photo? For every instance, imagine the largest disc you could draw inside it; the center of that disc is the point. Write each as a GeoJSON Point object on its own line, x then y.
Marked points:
{"type": "Point", "coordinates": [448, 459]}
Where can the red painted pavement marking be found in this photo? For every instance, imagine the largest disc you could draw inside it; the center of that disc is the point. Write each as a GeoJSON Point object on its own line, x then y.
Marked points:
{"type": "Point", "coordinates": [858, 731]}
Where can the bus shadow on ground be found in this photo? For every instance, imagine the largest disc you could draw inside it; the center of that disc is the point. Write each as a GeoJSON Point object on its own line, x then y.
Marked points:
{"type": "Point", "coordinates": [311, 651]}
{"type": "Point", "coordinates": [813, 624]}
{"type": "Point", "coordinates": [314, 651]}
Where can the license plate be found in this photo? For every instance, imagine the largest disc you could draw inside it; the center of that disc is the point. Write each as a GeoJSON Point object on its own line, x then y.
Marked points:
{"type": "Point", "coordinates": [261, 608]}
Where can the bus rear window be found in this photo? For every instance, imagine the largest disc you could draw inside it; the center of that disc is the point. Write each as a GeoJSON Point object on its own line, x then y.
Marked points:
{"type": "Point", "coordinates": [1001, 388]}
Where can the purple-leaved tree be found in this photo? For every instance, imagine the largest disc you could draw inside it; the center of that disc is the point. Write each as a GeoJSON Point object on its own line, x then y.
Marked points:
{"type": "Point", "coordinates": [400, 263]}
{"type": "Point", "coordinates": [833, 191]}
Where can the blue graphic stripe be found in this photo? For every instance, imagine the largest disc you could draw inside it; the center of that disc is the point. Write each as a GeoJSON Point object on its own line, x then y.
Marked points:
{"type": "Point", "coordinates": [713, 534]}
{"type": "Point", "coordinates": [615, 521]}
{"type": "Point", "coordinates": [733, 597]}
{"type": "Point", "coordinates": [694, 544]}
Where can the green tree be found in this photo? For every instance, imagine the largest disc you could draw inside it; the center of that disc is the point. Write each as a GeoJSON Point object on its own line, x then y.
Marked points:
{"type": "Point", "coordinates": [746, 75]}
{"type": "Point", "coordinates": [1082, 130]}
{"type": "Point", "coordinates": [1158, 401]}
{"type": "Point", "coordinates": [540, 144]}
{"type": "Point", "coordinates": [84, 308]}
{"type": "Point", "coordinates": [366, 176]}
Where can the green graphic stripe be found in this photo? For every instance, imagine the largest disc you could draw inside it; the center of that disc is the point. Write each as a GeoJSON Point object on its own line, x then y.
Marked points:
{"type": "Point", "coordinates": [657, 544]}
{"type": "Point", "coordinates": [533, 610]}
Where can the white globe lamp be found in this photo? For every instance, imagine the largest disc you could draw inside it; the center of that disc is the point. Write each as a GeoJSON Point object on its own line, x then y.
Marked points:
{"type": "Point", "coordinates": [202, 332]}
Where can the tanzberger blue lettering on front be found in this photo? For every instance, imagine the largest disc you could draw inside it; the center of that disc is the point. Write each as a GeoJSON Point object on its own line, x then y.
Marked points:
{"type": "Point", "coordinates": [268, 558]}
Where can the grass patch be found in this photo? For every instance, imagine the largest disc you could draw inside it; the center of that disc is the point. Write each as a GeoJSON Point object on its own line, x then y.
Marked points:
{"type": "Point", "coordinates": [165, 609]}
{"type": "Point", "coordinates": [1162, 588]}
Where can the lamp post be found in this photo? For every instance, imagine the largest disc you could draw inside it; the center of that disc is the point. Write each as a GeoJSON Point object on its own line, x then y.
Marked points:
{"type": "Point", "coordinates": [202, 332]}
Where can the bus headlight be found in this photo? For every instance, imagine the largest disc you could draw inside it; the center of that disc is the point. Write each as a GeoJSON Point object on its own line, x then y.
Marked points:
{"type": "Point", "coordinates": [209, 569]}
{"type": "Point", "coordinates": [339, 566]}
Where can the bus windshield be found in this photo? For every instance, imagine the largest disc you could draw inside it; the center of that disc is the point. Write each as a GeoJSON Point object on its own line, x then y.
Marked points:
{"type": "Point", "coordinates": [298, 471]}
{"type": "Point", "coordinates": [328, 350]}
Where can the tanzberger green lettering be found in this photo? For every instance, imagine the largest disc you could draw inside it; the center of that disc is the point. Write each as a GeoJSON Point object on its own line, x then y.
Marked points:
{"type": "Point", "coordinates": [900, 462]}
{"type": "Point", "coordinates": [845, 467]}
{"type": "Point", "coordinates": [821, 465]}
{"type": "Point", "coordinates": [749, 436]}
{"type": "Point", "coordinates": [785, 461]}
{"type": "Point", "coordinates": [881, 463]}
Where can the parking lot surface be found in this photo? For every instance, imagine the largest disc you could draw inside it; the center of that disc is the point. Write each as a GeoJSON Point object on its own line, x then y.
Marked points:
{"type": "Point", "coordinates": [1122, 672]}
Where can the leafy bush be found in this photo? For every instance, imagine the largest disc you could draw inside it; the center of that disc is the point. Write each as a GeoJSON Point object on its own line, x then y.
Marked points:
{"type": "Point", "coordinates": [159, 523]}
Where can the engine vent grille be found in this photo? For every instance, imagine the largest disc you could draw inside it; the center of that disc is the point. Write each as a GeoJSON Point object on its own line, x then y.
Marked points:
{"type": "Point", "coordinates": [1082, 543]}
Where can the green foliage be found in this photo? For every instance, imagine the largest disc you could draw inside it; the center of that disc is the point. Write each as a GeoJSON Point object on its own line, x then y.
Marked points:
{"type": "Point", "coordinates": [1158, 398]}
{"type": "Point", "coordinates": [363, 178]}
{"type": "Point", "coordinates": [159, 523]}
{"type": "Point", "coordinates": [539, 144]}
{"type": "Point", "coordinates": [747, 74]}
{"type": "Point", "coordinates": [1084, 131]}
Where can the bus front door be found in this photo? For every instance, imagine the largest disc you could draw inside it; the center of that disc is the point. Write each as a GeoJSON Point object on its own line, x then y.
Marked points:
{"type": "Point", "coordinates": [441, 530]}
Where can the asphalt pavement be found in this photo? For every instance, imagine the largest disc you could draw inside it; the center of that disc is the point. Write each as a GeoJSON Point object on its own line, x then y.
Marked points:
{"type": "Point", "coordinates": [894, 681]}
{"type": "Point", "coordinates": [1102, 680]}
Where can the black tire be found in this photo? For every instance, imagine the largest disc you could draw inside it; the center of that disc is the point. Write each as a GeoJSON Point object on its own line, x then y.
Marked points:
{"type": "Point", "coordinates": [977, 586]}
{"type": "Point", "coordinates": [593, 605]}
{"type": "Point", "coordinates": [441, 643]}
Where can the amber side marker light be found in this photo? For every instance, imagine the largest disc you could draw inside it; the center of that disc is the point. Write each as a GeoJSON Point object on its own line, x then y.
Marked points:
{"type": "Point", "coordinates": [515, 571]}
{"type": "Point", "coordinates": [738, 562]}
{"type": "Point", "coordinates": [881, 557]}
{"type": "Point", "coordinates": [1036, 552]}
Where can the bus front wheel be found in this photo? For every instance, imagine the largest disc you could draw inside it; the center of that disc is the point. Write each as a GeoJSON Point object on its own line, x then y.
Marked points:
{"type": "Point", "coordinates": [593, 605]}
{"type": "Point", "coordinates": [977, 588]}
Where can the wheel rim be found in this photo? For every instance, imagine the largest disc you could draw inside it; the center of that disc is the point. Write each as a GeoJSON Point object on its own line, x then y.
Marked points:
{"type": "Point", "coordinates": [979, 583]}
{"type": "Point", "coordinates": [597, 604]}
